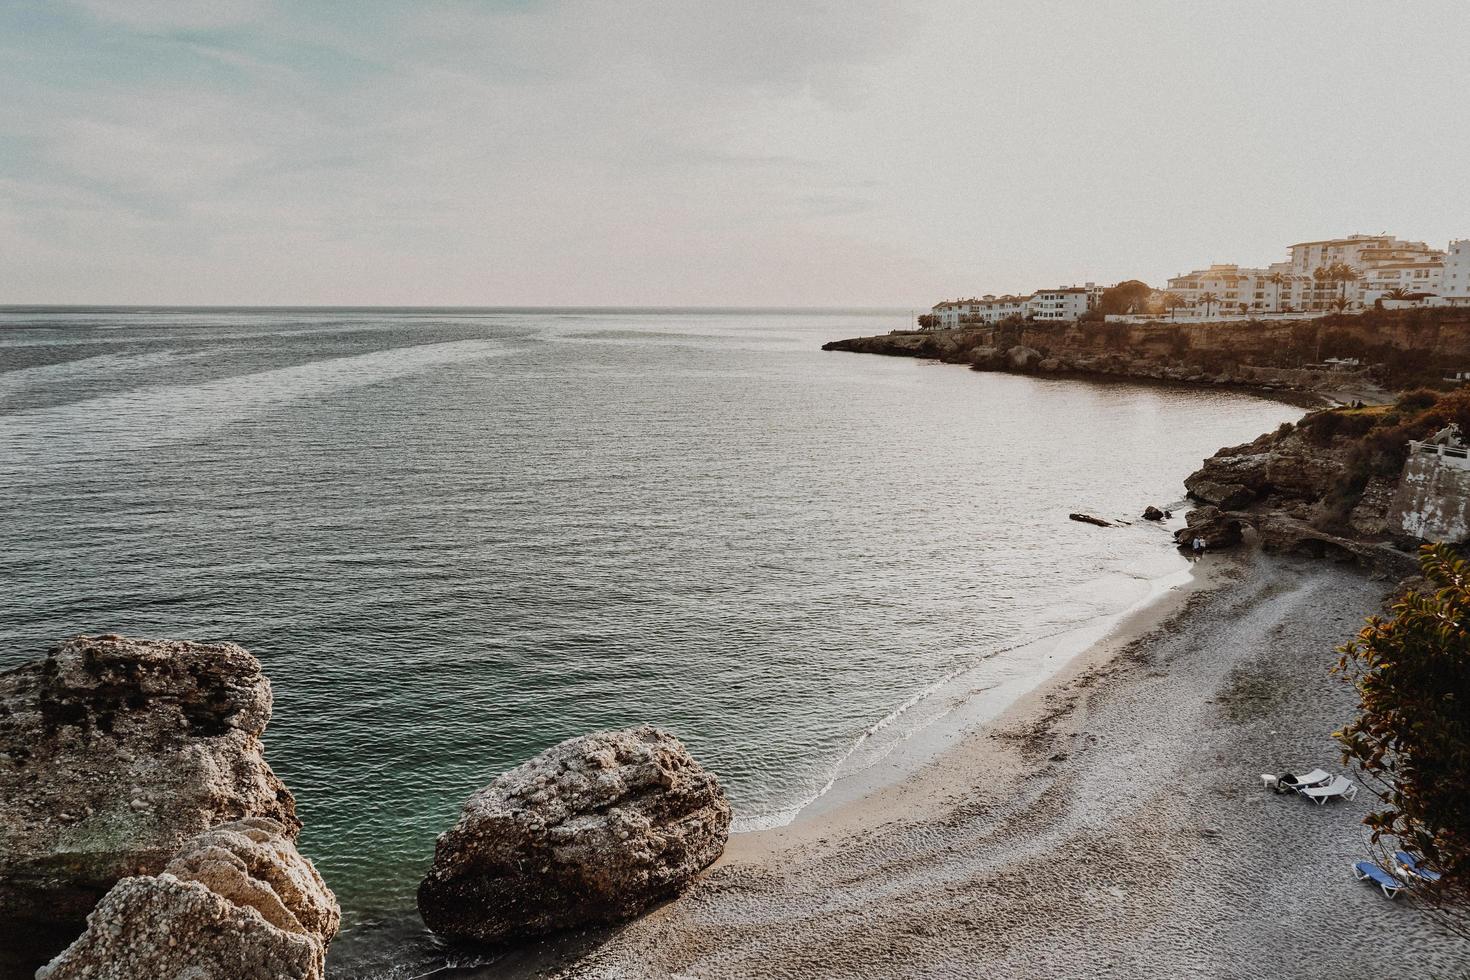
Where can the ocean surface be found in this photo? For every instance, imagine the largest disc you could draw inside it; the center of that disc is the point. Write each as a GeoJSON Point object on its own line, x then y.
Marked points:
{"type": "Point", "coordinates": [456, 537]}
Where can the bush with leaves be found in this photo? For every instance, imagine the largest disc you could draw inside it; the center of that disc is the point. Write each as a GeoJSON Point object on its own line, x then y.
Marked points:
{"type": "Point", "coordinates": [1411, 738]}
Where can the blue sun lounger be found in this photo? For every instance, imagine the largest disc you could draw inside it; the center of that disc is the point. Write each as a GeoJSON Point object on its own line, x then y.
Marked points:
{"type": "Point", "coordinates": [1368, 871]}
{"type": "Point", "coordinates": [1412, 867]}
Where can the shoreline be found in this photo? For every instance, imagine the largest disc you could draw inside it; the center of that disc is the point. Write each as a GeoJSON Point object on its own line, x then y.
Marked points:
{"type": "Point", "coordinates": [1109, 822]}
{"type": "Point", "coordinates": [884, 791]}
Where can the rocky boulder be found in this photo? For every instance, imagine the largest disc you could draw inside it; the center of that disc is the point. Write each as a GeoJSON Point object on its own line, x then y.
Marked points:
{"type": "Point", "coordinates": [1369, 516]}
{"type": "Point", "coordinates": [595, 829]}
{"type": "Point", "coordinates": [238, 901]}
{"type": "Point", "coordinates": [1280, 532]}
{"type": "Point", "coordinates": [1231, 496]}
{"type": "Point", "coordinates": [1217, 529]}
{"type": "Point", "coordinates": [1303, 473]}
{"type": "Point", "coordinates": [1022, 358]}
{"type": "Point", "coordinates": [113, 752]}
{"type": "Point", "coordinates": [987, 359]}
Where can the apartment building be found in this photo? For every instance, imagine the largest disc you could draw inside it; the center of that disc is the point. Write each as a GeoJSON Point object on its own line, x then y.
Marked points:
{"type": "Point", "coordinates": [1454, 282]}
{"type": "Point", "coordinates": [1062, 303]}
{"type": "Point", "coordinates": [1383, 263]}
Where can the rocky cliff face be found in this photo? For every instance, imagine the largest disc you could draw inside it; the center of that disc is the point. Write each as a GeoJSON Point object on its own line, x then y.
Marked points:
{"type": "Point", "coordinates": [236, 903]}
{"type": "Point", "coordinates": [113, 752]}
{"type": "Point", "coordinates": [1300, 494]}
{"type": "Point", "coordinates": [1408, 347]}
{"type": "Point", "coordinates": [595, 829]}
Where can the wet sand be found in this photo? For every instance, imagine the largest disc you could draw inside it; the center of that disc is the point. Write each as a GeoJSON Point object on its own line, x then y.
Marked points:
{"type": "Point", "coordinates": [1109, 824]}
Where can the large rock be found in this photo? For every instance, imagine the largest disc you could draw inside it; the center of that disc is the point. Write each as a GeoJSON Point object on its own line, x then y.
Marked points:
{"type": "Point", "coordinates": [595, 829]}
{"type": "Point", "coordinates": [113, 752]}
{"type": "Point", "coordinates": [1216, 529]}
{"type": "Point", "coordinates": [1302, 472]}
{"type": "Point", "coordinates": [1023, 358]}
{"type": "Point", "coordinates": [1230, 496]}
{"type": "Point", "coordinates": [1281, 532]}
{"type": "Point", "coordinates": [238, 901]}
{"type": "Point", "coordinates": [1369, 516]}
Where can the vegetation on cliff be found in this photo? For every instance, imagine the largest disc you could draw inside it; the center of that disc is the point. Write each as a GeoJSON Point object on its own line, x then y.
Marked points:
{"type": "Point", "coordinates": [1373, 442]}
{"type": "Point", "coordinates": [1412, 736]}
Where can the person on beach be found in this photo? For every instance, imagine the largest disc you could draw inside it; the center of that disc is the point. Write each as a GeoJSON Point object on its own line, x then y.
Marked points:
{"type": "Point", "coordinates": [1199, 546]}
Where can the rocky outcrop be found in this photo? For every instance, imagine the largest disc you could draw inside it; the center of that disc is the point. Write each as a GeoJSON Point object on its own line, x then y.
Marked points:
{"type": "Point", "coordinates": [1210, 525]}
{"type": "Point", "coordinates": [1369, 517]}
{"type": "Point", "coordinates": [595, 829]}
{"type": "Point", "coordinates": [1302, 471]}
{"type": "Point", "coordinates": [1231, 496]}
{"type": "Point", "coordinates": [1152, 513]}
{"type": "Point", "coordinates": [940, 345]}
{"type": "Point", "coordinates": [1233, 477]}
{"type": "Point", "coordinates": [236, 903]}
{"type": "Point", "coordinates": [113, 752]}
{"type": "Point", "coordinates": [1281, 532]}
{"type": "Point", "coordinates": [1275, 355]}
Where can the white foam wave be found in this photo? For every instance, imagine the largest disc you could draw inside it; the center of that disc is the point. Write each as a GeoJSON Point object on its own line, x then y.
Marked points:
{"type": "Point", "coordinates": [158, 415]}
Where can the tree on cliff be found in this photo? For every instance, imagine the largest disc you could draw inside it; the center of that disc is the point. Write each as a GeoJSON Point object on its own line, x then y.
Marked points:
{"type": "Point", "coordinates": [1172, 302]}
{"type": "Point", "coordinates": [1278, 280]}
{"type": "Point", "coordinates": [1412, 736]}
{"type": "Point", "coordinates": [1129, 296]}
{"type": "Point", "coordinates": [1338, 272]}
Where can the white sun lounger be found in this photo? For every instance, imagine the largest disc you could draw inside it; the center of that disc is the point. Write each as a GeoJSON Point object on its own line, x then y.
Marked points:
{"type": "Point", "coordinates": [1314, 778]}
{"type": "Point", "coordinates": [1338, 786]}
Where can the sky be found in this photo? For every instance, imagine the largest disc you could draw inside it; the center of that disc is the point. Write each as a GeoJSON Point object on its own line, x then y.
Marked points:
{"type": "Point", "coordinates": [707, 152]}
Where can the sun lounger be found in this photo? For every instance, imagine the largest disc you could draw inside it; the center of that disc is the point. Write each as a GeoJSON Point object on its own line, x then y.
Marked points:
{"type": "Point", "coordinates": [1297, 783]}
{"type": "Point", "coordinates": [1368, 871]}
{"type": "Point", "coordinates": [1414, 868]}
{"type": "Point", "coordinates": [1314, 778]}
{"type": "Point", "coordinates": [1337, 786]}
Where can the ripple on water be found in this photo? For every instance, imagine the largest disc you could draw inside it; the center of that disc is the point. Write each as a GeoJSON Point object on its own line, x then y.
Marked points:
{"type": "Point", "coordinates": [455, 539]}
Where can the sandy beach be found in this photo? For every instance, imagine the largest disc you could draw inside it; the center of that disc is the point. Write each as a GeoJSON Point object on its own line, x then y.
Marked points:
{"type": "Point", "coordinates": [1110, 824]}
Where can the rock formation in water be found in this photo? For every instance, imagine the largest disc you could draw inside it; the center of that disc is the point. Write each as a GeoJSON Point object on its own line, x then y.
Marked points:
{"type": "Point", "coordinates": [595, 829]}
{"type": "Point", "coordinates": [113, 752]}
{"type": "Point", "coordinates": [238, 902]}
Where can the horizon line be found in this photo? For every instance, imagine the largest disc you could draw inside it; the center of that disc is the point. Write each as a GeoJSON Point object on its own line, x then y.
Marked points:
{"type": "Point", "coordinates": [512, 308]}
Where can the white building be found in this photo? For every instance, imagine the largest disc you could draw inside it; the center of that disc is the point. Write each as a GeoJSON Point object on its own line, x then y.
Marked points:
{"type": "Point", "coordinates": [1062, 303]}
{"type": "Point", "coordinates": [1382, 263]}
{"type": "Point", "coordinates": [1233, 289]}
{"type": "Point", "coordinates": [986, 309]}
{"type": "Point", "coordinates": [1454, 281]}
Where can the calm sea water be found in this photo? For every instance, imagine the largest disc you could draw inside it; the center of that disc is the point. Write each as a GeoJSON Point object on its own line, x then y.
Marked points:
{"type": "Point", "coordinates": [455, 538]}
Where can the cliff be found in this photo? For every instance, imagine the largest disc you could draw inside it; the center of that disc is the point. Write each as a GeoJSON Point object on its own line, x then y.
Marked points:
{"type": "Point", "coordinates": [1404, 347]}
{"type": "Point", "coordinates": [1340, 483]}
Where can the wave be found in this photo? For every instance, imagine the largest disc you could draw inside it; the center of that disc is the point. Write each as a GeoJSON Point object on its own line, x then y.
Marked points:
{"type": "Point", "coordinates": [150, 416]}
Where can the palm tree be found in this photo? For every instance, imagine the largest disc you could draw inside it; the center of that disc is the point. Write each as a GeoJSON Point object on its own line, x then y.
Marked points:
{"type": "Point", "coordinates": [1172, 302]}
{"type": "Point", "coordinates": [1276, 279]}
{"type": "Point", "coordinates": [1323, 275]}
{"type": "Point", "coordinates": [1344, 274]}
{"type": "Point", "coordinates": [1397, 292]}
{"type": "Point", "coordinates": [1207, 299]}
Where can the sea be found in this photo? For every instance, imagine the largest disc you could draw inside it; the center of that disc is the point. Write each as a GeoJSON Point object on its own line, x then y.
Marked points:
{"type": "Point", "coordinates": [455, 537]}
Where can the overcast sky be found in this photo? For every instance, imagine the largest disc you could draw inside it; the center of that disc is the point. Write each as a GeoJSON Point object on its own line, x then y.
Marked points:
{"type": "Point", "coordinates": [728, 152]}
